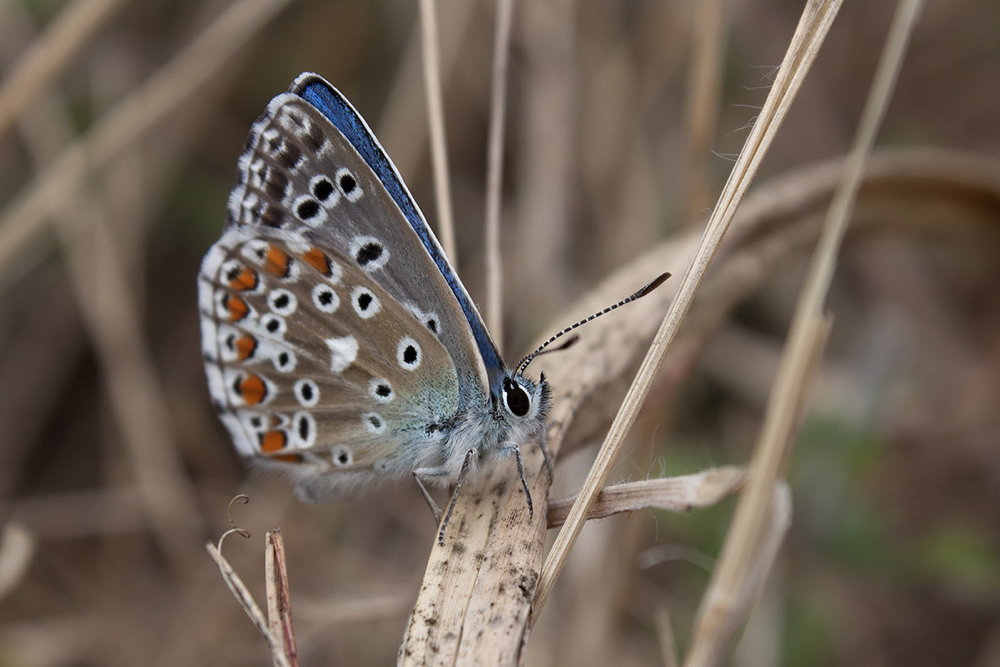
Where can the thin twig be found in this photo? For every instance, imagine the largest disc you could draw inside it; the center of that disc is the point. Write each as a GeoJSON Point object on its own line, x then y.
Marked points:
{"type": "Point", "coordinates": [674, 494]}
{"type": "Point", "coordinates": [435, 116]}
{"type": "Point", "coordinates": [158, 98]}
{"type": "Point", "coordinates": [72, 30]}
{"type": "Point", "coordinates": [96, 266]}
{"type": "Point", "coordinates": [701, 106]}
{"type": "Point", "coordinates": [494, 172]}
{"type": "Point", "coordinates": [812, 28]}
{"type": "Point", "coordinates": [720, 617]}
{"type": "Point", "coordinates": [247, 603]}
{"type": "Point", "coordinates": [279, 603]}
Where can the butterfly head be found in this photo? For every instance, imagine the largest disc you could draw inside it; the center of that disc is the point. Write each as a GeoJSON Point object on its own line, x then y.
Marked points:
{"type": "Point", "coordinates": [521, 402]}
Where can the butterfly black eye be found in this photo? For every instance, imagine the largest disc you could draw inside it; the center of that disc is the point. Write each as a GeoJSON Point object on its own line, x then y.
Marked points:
{"type": "Point", "coordinates": [515, 398]}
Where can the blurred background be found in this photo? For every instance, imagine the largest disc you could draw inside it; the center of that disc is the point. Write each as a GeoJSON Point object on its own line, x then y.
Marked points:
{"type": "Point", "coordinates": [115, 472]}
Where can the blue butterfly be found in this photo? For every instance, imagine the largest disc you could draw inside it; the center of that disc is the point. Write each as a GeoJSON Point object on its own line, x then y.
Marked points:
{"type": "Point", "coordinates": [340, 345]}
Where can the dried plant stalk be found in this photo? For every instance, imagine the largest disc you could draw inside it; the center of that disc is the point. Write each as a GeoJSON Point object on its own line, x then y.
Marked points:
{"type": "Point", "coordinates": [246, 601]}
{"type": "Point", "coordinates": [22, 221]}
{"type": "Point", "coordinates": [674, 494]}
{"type": "Point", "coordinates": [908, 190]}
{"type": "Point", "coordinates": [494, 172]}
{"type": "Point", "coordinates": [813, 26]}
{"type": "Point", "coordinates": [98, 277]}
{"type": "Point", "coordinates": [71, 31]}
{"type": "Point", "coordinates": [728, 598]}
{"type": "Point", "coordinates": [279, 602]}
{"type": "Point", "coordinates": [435, 118]}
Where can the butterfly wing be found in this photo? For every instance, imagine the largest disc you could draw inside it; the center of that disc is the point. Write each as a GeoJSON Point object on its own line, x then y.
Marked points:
{"type": "Point", "coordinates": [314, 303]}
{"type": "Point", "coordinates": [315, 368]}
{"type": "Point", "coordinates": [479, 364]}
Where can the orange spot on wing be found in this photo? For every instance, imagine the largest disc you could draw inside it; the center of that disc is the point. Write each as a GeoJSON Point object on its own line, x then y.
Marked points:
{"type": "Point", "coordinates": [317, 259]}
{"type": "Point", "coordinates": [277, 261]}
{"type": "Point", "coordinates": [245, 280]}
{"type": "Point", "coordinates": [252, 389]}
{"type": "Point", "coordinates": [273, 441]}
{"type": "Point", "coordinates": [237, 308]}
{"type": "Point", "coordinates": [246, 345]}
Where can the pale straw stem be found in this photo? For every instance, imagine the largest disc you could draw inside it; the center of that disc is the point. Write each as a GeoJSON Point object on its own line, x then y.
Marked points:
{"type": "Point", "coordinates": [812, 28]}
{"type": "Point", "coordinates": [808, 333]}
{"type": "Point", "coordinates": [494, 171]}
{"type": "Point", "coordinates": [435, 117]}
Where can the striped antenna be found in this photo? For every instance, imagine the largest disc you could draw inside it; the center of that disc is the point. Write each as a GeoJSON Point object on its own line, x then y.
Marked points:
{"type": "Point", "coordinates": [523, 364]}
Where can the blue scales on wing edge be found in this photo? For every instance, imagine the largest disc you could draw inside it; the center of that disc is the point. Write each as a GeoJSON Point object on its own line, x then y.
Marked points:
{"type": "Point", "coordinates": [315, 90]}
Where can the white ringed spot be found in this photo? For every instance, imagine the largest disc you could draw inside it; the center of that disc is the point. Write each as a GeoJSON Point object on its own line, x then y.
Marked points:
{"type": "Point", "coordinates": [373, 422]}
{"type": "Point", "coordinates": [365, 303]}
{"type": "Point", "coordinates": [303, 429]}
{"type": "Point", "coordinates": [274, 325]}
{"type": "Point", "coordinates": [381, 391]}
{"type": "Point", "coordinates": [324, 190]}
{"type": "Point", "coordinates": [285, 361]}
{"type": "Point", "coordinates": [306, 393]}
{"type": "Point", "coordinates": [325, 299]}
{"type": "Point", "coordinates": [308, 210]}
{"type": "Point", "coordinates": [348, 184]}
{"type": "Point", "coordinates": [369, 252]}
{"type": "Point", "coordinates": [341, 456]}
{"type": "Point", "coordinates": [282, 302]}
{"type": "Point", "coordinates": [408, 353]}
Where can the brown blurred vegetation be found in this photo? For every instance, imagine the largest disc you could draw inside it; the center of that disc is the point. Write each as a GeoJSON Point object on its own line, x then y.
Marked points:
{"type": "Point", "coordinates": [894, 553]}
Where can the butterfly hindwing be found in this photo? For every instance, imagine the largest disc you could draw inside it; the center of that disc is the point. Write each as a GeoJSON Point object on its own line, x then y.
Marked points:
{"type": "Point", "coordinates": [315, 366]}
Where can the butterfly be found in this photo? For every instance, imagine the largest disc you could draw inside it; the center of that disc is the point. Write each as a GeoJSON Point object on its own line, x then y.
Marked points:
{"type": "Point", "coordinates": [340, 345]}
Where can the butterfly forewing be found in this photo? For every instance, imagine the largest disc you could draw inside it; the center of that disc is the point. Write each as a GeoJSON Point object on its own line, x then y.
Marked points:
{"type": "Point", "coordinates": [301, 174]}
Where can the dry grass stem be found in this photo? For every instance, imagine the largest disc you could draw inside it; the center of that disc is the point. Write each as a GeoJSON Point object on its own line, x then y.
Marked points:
{"type": "Point", "coordinates": [120, 124]}
{"type": "Point", "coordinates": [702, 106]}
{"type": "Point", "coordinates": [665, 635]}
{"type": "Point", "coordinates": [402, 126]}
{"type": "Point", "coordinates": [279, 602]}
{"type": "Point", "coordinates": [17, 549]}
{"type": "Point", "coordinates": [435, 118]}
{"type": "Point", "coordinates": [22, 221]}
{"type": "Point", "coordinates": [813, 26]}
{"type": "Point", "coordinates": [247, 603]}
{"type": "Point", "coordinates": [929, 189]}
{"type": "Point", "coordinates": [711, 641]}
{"type": "Point", "coordinates": [100, 286]}
{"type": "Point", "coordinates": [48, 55]}
{"type": "Point", "coordinates": [723, 612]}
{"type": "Point", "coordinates": [674, 494]}
{"type": "Point", "coordinates": [494, 171]}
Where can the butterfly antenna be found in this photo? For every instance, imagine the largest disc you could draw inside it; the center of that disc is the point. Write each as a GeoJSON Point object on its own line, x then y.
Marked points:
{"type": "Point", "coordinates": [523, 364]}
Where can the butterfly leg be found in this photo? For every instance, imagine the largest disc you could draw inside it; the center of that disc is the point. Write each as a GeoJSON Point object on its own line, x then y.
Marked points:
{"type": "Point", "coordinates": [435, 510]}
{"type": "Point", "coordinates": [516, 451]}
{"type": "Point", "coordinates": [433, 472]}
{"type": "Point", "coordinates": [550, 466]}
